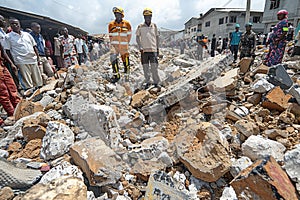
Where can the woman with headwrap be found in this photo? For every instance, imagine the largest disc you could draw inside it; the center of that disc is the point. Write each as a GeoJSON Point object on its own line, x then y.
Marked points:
{"type": "Point", "coordinates": [277, 40]}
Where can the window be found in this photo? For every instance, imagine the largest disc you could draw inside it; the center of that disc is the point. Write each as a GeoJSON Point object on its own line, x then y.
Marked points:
{"type": "Point", "coordinates": [256, 19]}
{"type": "Point", "coordinates": [226, 20]}
{"type": "Point", "coordinates": [221, 21]}
{"type": "Point", "coordinates": [207, 24]}
{"type": "Point", "coordinates": [232, 19]}
{"type": "Point", "coordinates": [274, 4]}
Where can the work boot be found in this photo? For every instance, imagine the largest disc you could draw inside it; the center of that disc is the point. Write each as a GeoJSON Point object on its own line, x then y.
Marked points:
{"type": "Point", "coordinates": [115, 78]}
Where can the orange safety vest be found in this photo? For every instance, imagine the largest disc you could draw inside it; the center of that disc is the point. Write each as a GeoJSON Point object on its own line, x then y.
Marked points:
{"type": "Point", "coordinates": [119, 35]}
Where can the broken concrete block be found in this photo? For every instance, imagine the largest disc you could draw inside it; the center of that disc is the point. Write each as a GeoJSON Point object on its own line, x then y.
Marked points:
{"type": "Point", "coordinates": [206, 155]}
{"type": "Point", "coordinates": [64, 169]}
{"type": "Point", "coordinates": [276, 100]}
{"type": "Point", "coordinates": [162, 186]}
{"type": "Point", "coordinates": [240, 164]}
{"type": "Point", "coordinates": [17, 178]}
{"type": "Point", "coordinates": [143, 168]}
{"type": "Point", "coordinates": [245, 64]}
{"type": "Point", "coordinates": [67, 188]}
{"type": "Point", "coordinates": [278, 76]}
{"type": "Point", "coordinates": [227, 82]}
{"type": "Point", "coordinates": [50, 86]}
{"type": "Point", "coordinates": [101, 121]}
{"type": "Point", "coordinates": [261, 86]}
{"type": "Point", "coordinates": [33, 131]}
{"type": "Point", "coordinates": [57, 140]}
{"type": "Point", "coordinates": [247, 127]}
{"type": "Point", "coordinates": [254, 99]}
{"type": "Point", "coordinates": [228, 194]}
{"type": "Point", "coordinates": [26, 108]}
{"type": "Point", "coordinates": [264, 180]}
{"type": "Point", "coordinates": [292, 165]}
{"type": "Point", "coordinates": [182, 63]}
{"type": "Point", "coordinates": [16, 129]}
{"type": "Point", "coordinates": [262, 69]}
{"type": "Point", "coordinates": [273, 133]}
{"type": "Point", "coordinates": [46, 100]}
{"type": "Point", "coordinates": [257, 147]}
{"type": "Point", "coordinates": [148, 149]}
{"type": "Point", "coordinates": [6, 193]}
{"type": "Point", "coordinates": [74, 105]}
{"type": "Point", "coordinates": [101, 169]}
{"type": "Point", "coordinates": [140, 98]}
{"type": "Point", "coordinates": [295, 92]}
{"type": "Point", "coordinates": [208, 70]}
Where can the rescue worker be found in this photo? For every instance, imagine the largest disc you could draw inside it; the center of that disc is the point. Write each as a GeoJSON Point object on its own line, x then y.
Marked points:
{"type": "Point", "coordinates": [248, 42]}
{"type": "Point", "coordinates": [147, 38]}
{"type": "Point", "coordinates": [119, 35]}
{"type": "Point", "coordinates": [9, 98]}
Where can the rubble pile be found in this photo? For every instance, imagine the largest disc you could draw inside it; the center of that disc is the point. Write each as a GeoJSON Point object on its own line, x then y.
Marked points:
{"type": "Point", "coordinates": [214, 130]}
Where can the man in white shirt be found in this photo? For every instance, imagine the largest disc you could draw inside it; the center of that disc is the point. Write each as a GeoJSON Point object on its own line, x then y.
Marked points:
{"type": "Point", "coordinates": [79, 48]}
{"type": "Point", "coordinates": [22, 48]}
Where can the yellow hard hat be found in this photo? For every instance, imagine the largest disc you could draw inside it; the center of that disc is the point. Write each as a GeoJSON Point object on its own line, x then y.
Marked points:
{"type": "Point", "coordinates": [147, 11]}
{"type": "Point", "coordinates": [118, 10]}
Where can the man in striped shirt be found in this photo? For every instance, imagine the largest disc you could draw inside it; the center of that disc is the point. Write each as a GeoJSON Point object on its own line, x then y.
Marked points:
{"type": "Point", "coordinates": [119, 35]}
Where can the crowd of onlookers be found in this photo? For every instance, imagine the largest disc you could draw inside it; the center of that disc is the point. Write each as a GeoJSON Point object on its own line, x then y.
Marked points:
{"type": "Point", "coordinates": [217, 44]}
{"type": "Point", "coordinates": [29, 58]}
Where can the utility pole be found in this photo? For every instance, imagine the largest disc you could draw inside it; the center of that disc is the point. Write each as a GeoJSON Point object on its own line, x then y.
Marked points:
{"type": "Point", "coordinates": [247, 17]}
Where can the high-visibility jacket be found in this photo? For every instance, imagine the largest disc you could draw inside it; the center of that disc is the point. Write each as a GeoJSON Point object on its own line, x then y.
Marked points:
{"type": "Point", "coordinates": [119, 35]}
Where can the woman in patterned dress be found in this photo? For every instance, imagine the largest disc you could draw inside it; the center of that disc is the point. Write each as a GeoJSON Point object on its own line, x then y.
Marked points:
{"type": "Point", "coordinates": [277, 40]}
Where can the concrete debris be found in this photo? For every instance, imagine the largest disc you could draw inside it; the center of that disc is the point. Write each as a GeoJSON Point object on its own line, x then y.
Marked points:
{"type": "Point", "coordinates": [26, 108]}
{"type": "Point", "coordinates": [272, 180]}
{"type": "Point", "coordinates": [64, 169]}
{"type": "Point", "coordinates": [228, 194]}
{"type": "Point", "coordinates": [276, 100]}
{"type": "Point", "coordinates": [66, 188]}
{"type": "Point", "coordinates": [228, 81]}
{"type": "Point", "coordinates": [6, 193]}
{"type": "Point", "coordinates": [148, 149]}
{"type": "Point", "coordinates": [245, 64]}
{"type": "Point", "coordinates": [240, 164]}
{"type": "Point", "coordinates": [262, 86]}
{"type": "Point", "coordinates": [188, 138]}
{"type": "Point", "coordinates": [205, 154]}
{"type": "Point", "coordinates": [57, 140]}
{"type": "Point", "coordinates": [246, 127]}
{"type": "Point", "coordinates": [162, 186]}
{"type": "Point", "coordinates": [86, 155]}
{"type": "Point", "coordinates": [17, 178]}
{"type": "Point", "coordinates": [292, 165]}
{"type": "Point", "coordinates": [257, 147]}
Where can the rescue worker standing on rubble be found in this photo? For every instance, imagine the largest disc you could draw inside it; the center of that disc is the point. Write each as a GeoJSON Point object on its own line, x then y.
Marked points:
{"type": "Point", "coordinates": [248, 42]}
{"type": "Point", "coordinates": [120, 35]}
{"type": "Point", "coordinates": [147, 38]}
{"type": "Point", "coordinates": [277, 40]}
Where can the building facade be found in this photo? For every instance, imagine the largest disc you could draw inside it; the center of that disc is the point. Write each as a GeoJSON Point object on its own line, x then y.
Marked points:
{"type": "Point", "coordinates": [221, 21]}
{"type": "Point", "coordinates": [273, 6]}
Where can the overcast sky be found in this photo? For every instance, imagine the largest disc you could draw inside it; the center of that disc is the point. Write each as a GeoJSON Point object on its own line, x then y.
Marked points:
{"type": "Point", "coordinates": [94, 15]}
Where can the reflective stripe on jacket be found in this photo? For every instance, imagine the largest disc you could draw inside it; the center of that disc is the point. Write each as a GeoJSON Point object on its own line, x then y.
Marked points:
{"type": "Point", "coordinates": [119, 35]}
